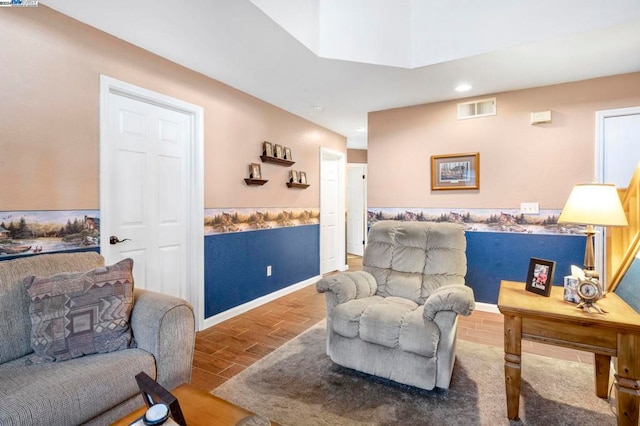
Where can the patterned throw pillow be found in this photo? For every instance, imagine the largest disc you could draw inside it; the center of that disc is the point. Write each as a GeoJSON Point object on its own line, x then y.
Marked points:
{"type": "Point", "coordinates": [76, 314]}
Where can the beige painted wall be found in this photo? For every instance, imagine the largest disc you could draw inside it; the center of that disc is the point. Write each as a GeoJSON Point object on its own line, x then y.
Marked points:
{"type": "Point", "coordinates": [356, 155]}
{"type": "Point", "coordinates": [519, 162]}
{"type": "Point", "coordinates": [49, 111]}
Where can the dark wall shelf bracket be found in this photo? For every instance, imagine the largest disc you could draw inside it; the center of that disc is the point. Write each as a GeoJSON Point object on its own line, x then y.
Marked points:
{"type": "Point", "coordinates": [276, 160]}
{"type": "Point", "coordinates": [297, 185]}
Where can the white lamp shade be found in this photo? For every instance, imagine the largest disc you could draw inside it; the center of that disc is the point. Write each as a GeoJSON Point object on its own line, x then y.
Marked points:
{"type": "Point", "coordinates": [594, 204]}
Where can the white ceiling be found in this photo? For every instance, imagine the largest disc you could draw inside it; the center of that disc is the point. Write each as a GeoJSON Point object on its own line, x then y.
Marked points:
{"type": "Point", "coordinates": [333, 61]}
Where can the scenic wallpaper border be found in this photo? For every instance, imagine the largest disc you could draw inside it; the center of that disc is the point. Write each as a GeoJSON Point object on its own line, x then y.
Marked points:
{"type": "Point", "coordinates": [481, 220]}
{"type": "Point", "coordinates": [29, 232]}
{"type": "Point", "coordinates": [222, 221]}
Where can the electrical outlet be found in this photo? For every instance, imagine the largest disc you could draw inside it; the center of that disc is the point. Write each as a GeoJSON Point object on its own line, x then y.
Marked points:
{"type": "Point", "coordinates": [269, 270]}
{"type": "Point", "coordinates": [530, 208]}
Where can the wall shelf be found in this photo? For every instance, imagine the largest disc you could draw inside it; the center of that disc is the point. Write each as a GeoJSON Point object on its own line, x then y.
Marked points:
{"type": "Point", "coordinates": [276, 160]}
{"type": "Point", "coordinates": [255, 181]}
{"type": "Point", "coordinates": [297, 185]}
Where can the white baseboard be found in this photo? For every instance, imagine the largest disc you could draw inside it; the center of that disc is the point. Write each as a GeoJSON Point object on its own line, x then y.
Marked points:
{"type": "Point", "coordinates": [223, 316]}
{"type": "Point", "coordinates": [487, 307]}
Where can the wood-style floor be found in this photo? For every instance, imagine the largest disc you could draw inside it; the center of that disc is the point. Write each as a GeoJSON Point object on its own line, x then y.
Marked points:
{"type": "Point", "coordinates": [225, 349]}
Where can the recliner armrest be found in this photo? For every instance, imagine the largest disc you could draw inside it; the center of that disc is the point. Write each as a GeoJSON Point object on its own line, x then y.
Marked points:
{"type": "Point", "coordinates": [349, 285]}
{"type": "Point", "coordinates": [457, 298]}
{"type": "Point", "coordinates": [165, 326]}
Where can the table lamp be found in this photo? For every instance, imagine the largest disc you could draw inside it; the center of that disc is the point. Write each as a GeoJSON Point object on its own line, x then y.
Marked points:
{"type": "Point", "coordinates": [593, 204]}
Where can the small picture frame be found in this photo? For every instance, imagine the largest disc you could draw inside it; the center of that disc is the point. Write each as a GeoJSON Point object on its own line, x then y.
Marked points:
{"type": "Point", "coordinates": [267, 149]}
{"type": "Point", "coordinates": [303, 177]}
{"type": "Point", "coordinates": [571, 289]}
{"type": "Point", "coordinates": [255, 171]}
{"type": "Point", "coordinates": [278, 151]}
{"type": "Point", "coordinates": [287, 154]}
{"type": "Point", "coordinates": [293, 177]}
{"type": "Point", "coordinates": [540, 276]}
{"type": "Point", "coordinates": [153, 393]}
{"type": "Point", "coordinates": [455, 171]}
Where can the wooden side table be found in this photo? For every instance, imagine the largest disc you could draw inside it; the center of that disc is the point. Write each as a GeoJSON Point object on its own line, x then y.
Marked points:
{"type": "Point", "coordinates": [199, 409]}
{"type": "Point", "coordinates": [553, 321]}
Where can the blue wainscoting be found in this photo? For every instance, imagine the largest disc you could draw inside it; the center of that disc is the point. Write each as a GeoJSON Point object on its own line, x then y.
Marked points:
{"type": "Point", "coordinates": [236, 264]}
{"type": "Point", "coordinates": [496, 256]}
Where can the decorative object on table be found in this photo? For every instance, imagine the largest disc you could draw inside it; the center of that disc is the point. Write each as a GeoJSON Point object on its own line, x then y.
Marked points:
{"type": "Point", "coordinates": [595, 204]}
{"type": "Point", "coordinates": [153, 394]}
{"type": "Point", "coordinates": [287, 154]}
{"type": "Point", "coordinates": [571, 289]}
{"type": "Point", "coordinates": [540, 276]}
{"type": "Point", "coordinates": [267, 149]}
{"type": "Point", "coordinates": [588, 289]}
{"type": "Point", "coordinates": [293, 176]}
{"type": "Point", "coordinates": [455, 171]}
{"type": "Point", "coordinates": [278, 152]}
{"type": "Point", "coordinates": [303, 177]}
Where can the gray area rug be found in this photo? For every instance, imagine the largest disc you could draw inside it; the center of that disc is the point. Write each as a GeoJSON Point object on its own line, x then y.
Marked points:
{"type": "Point", "coordinates": [299, 385]}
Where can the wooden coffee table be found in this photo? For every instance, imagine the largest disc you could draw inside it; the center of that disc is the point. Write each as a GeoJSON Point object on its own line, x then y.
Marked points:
{"type": "Point", "coordinates": [199, 408]}
{"type": "Point", "coordinates": [556, 322]}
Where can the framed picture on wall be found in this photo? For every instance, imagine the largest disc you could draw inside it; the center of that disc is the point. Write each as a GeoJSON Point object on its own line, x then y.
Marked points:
{"type": "Point", "coordinates": [278, 153]}
{"type": "Point", "coordinates": [455, 171]}
{"type": "Point", "coordinates": [293, 176]}
{"type": "Point", "coordinates": [540, 276]}
{"type": "Point", "coordinates": [255, 171]}
{"type": "Point", "coordinates": [303, 177]}
{"type": "Point", "coordinates": [267, 149]}
{"type": "Point", "coordinates": [287, 154]}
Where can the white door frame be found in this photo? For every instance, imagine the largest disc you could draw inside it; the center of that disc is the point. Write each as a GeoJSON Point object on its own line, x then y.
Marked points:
{"type": "Point", "coordinates": [341, 241]}
{"type": "Point", "coordinates": [195, 170]}
{"type": "Point", "coordinates": [365, 172]}
{"type": "Point", "coordinates": [601, 117]}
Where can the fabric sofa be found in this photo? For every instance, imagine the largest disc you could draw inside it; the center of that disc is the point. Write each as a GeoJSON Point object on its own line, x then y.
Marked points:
{"type": "Point", "coordinates": [397, 318]}
{"type": "Point", "coordinates": [92, 389]}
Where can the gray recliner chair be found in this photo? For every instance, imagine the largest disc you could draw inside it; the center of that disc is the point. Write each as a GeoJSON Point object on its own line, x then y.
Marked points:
{"type": "Point", "coordinates": [397, 318]}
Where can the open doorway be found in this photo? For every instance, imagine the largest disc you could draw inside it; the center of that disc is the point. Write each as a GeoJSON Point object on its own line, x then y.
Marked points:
{"type": "Point", "coordinates": [356, 208]}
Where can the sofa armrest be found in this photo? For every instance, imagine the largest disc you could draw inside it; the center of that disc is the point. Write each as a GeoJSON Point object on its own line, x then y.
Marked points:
{"type": "Point", "coordinates": [349, 285]}
{"type": "Point", "coordinates": [165, 326]}
{"type": "Point", "coordinates": [457, 298]}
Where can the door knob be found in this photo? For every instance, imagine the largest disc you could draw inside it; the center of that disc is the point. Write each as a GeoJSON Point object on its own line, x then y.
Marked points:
{"type": "Point", "coordinates": [113, 240]}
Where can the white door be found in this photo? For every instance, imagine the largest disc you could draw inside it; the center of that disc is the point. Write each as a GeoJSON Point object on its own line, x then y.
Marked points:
{"type": "Point", "coordinates": [356, 208]}
{"type": "Point", "coordinates": [332, 238]}
{"type": "Point", "coordinates": [146, 192]}
{"type": "Point", "coordinates": [617, 155]}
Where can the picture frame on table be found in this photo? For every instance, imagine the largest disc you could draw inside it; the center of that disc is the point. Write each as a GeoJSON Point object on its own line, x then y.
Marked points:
{"type": "Point", "coordinates": [571, 289]}
{"type": "Point", "coordinates": [303, 177]}
{"type": "Point", "coordinates": [540, 276]}
{"type": "Point", "coordinates": [255, 171]}
{"type": "Point", "coordinates": [293, 176]}
{"type": "Point", "coordinates": [267, 149]}
{"type": "Point", "coordinates": [455, 171]}
{"type": "Point", "coordinates": [153, 393]}
{"type": "Point", "coordinates": [287, 154]}
{"type": "Point", "coordinates": [277, 151]}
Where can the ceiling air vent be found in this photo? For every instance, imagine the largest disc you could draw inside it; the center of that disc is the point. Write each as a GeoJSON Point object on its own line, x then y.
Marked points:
{"type": "Point", "coordinates": [475, 109]}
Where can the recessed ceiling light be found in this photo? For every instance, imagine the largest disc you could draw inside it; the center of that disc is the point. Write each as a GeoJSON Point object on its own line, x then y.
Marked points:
{"type": "Point", "coordinates": [361, 129]}
{"type": "Point", "coordinates": [463, 87]}
{"type": "Point", "coordinates": [318, 107]}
